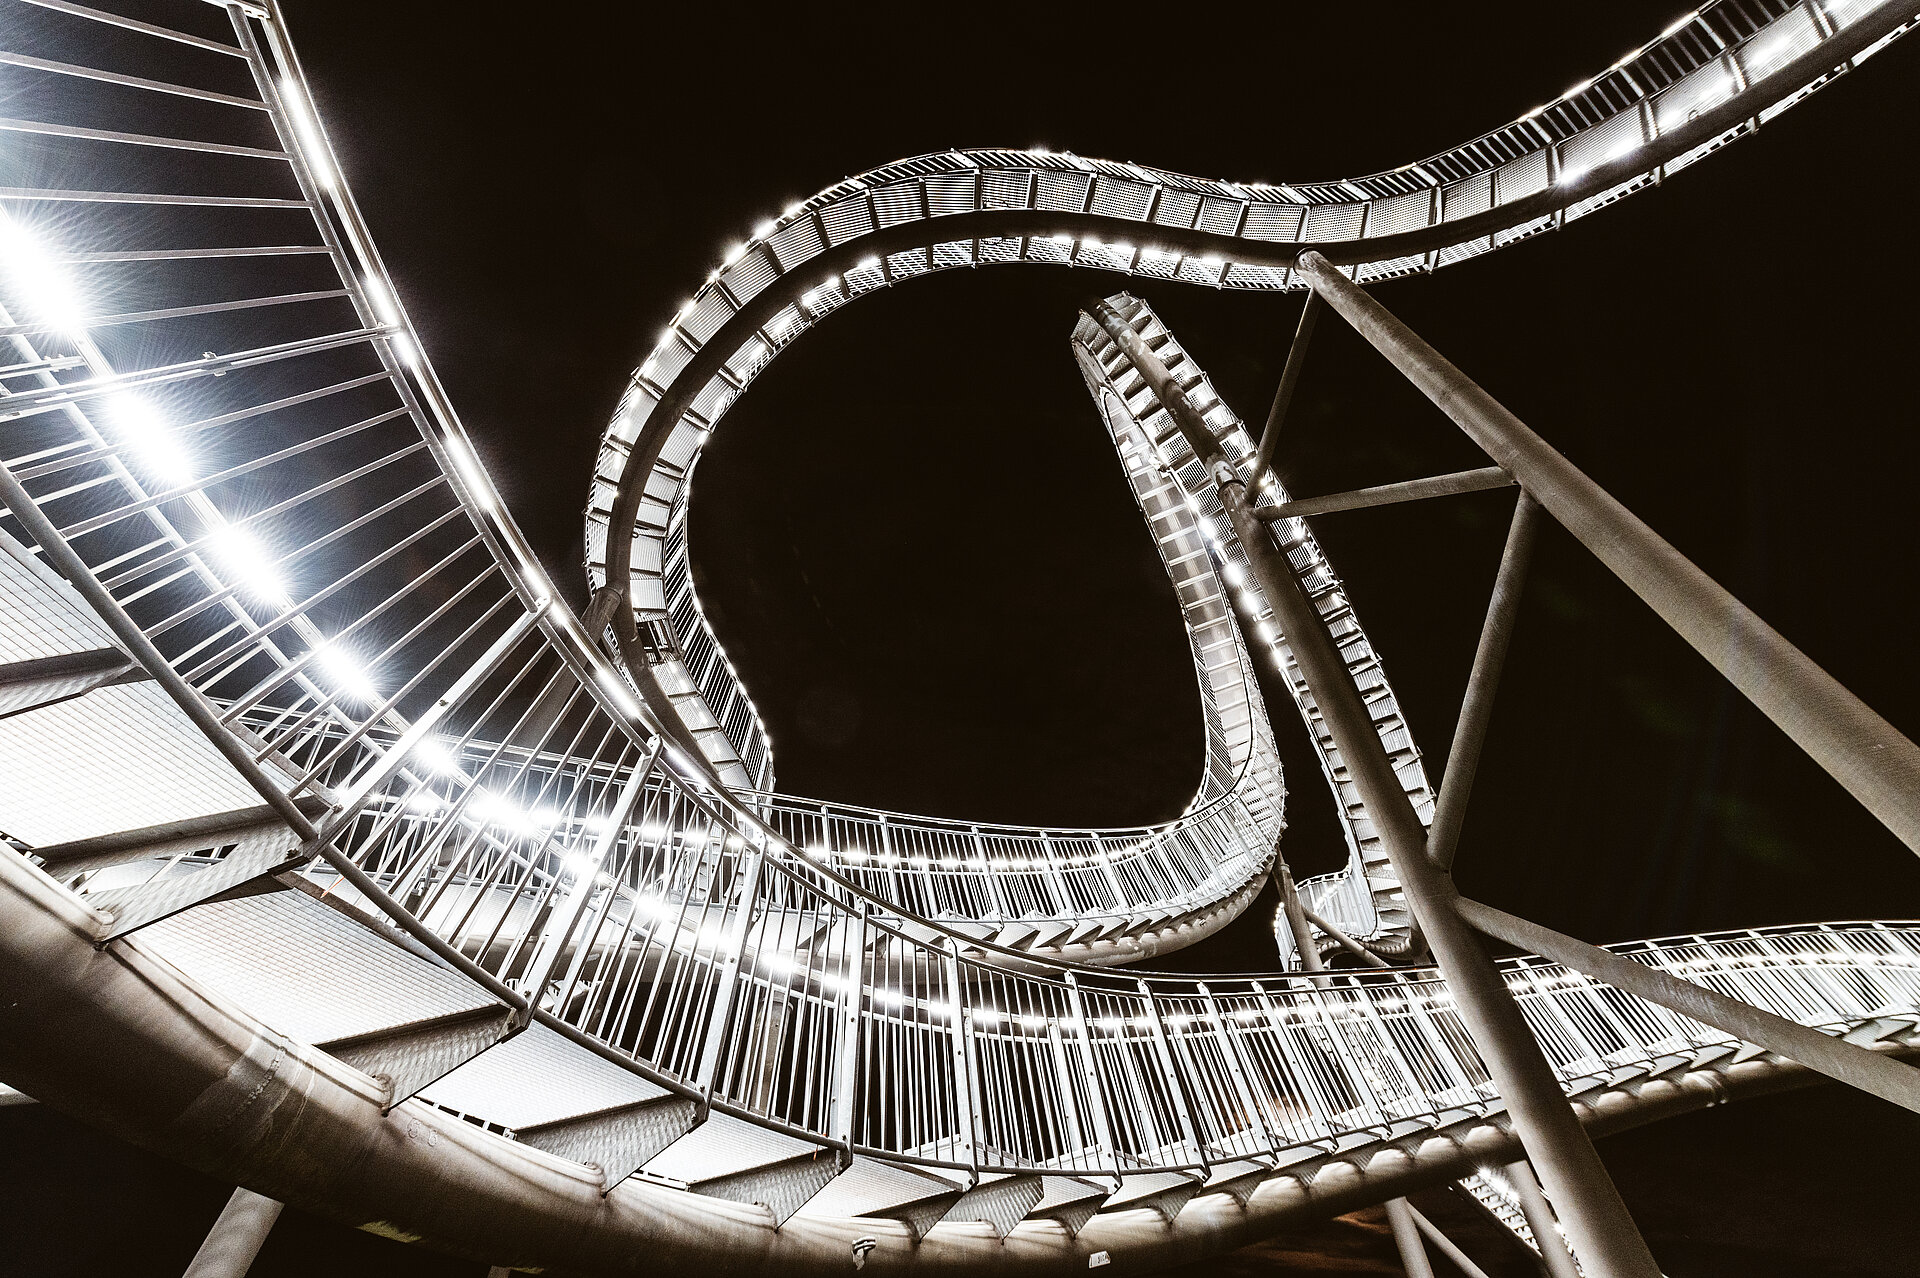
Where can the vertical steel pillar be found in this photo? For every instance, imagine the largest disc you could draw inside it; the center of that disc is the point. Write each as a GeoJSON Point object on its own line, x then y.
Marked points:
{"type": "Point", "coordinates": [1603, 1232]}
{"type": "Point", "coordinates": [235, 1238]}
{"type": "Point", "coordinates": [1296, 914]}
{"type": "Point", "coordinates": [1859, 748]}
{"type": "Point", "coordinates": [1540, 1219]}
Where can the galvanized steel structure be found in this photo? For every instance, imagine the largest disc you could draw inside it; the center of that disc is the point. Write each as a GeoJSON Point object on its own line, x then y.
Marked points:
{"type": "Point", "coordinates": [351, 865]}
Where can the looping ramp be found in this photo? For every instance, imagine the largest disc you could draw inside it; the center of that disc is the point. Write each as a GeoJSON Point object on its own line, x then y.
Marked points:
{"type": "Point", "coordinates": [344, 861]}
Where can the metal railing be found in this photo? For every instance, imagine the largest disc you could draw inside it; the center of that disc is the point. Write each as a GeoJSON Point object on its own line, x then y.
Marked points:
{"type": "Point", "coordinates": [1711, 77]}
{"type": "Point", "coordinates": [263, 480]}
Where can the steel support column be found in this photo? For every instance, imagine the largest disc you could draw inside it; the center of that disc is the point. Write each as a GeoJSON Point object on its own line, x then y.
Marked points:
{"type": "Point", "coordinates": [1283, 396]}
{"type": "Point", "coordinates": [1445, 1245]}
{"type": "Point", "coordinates": [1476, 708]}
{"type": "Point", "coordinates": [1865, 753]}
{"type": "Point", "coordinates": [235, 1238]}
{"type": "Point", "coordinates": [1540, 1219]}
{"type": "Point", "coordinates": [1603, 1231]}
{"type": "Point", "coordinates": [1406, 1236]}
{"type": "Point", "coordinates": [1296, 913]}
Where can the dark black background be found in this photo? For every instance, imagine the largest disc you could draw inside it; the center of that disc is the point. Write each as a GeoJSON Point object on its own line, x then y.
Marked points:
{"type": "Point", "coordinates": [922, 557]}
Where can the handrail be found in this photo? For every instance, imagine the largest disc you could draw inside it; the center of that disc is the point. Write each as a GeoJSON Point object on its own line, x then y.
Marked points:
{"type": "Point", "coordinates": [476, 815]}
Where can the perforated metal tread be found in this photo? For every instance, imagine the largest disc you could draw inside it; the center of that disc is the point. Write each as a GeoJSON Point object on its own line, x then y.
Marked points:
{"type": "Point", "coordinates": [722, 1146]}
{"type": "Point", "coordinates": [873, 1188]}
{"type": "Point", "coordinates": [116, 759]}
{"type": "Point", "coordinates": [306, 969]}
{"type": "Point", "coordinates": [536, 1077]}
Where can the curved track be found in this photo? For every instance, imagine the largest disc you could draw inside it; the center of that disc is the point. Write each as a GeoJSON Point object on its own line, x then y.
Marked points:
{"type": "Point", "coordinates": [1707, 80]}
{"type": "Point", "coordinates": [349, 866]}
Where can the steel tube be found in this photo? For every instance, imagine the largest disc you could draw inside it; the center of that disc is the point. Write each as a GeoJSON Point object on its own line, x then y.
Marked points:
{"type": "Point", "coordinates": [1462, 1261]}
{"type": "Point", "coordinates": [1297, 918]}
{"type": "Point", "coordinates": [1464, 481]}
{"type": "Point", "coordinates": [1865, 753]}
{"type": "Point", "coordinates": [1476, 708]}
{"type": "Point", "coordinates": [1604, 1233]}
{"type": "Point", "coordinates": [236, 1236]}
{"type": "Point", "coordinates": [1540, 1219]}
{"type": "Point", "coordinates": [1352, 946]}
{"type": "Point", "coordinates": [1838, 1060]}
{"type": "Point", "coordinates": [1283, 396]}
{"type": "Point", "coordinates": [1406, 1237]}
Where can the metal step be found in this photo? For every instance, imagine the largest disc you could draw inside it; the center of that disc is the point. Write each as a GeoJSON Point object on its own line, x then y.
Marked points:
{"type": "Point", "coordinates": [726, 1157]}
{"type": "Point", "coordinates": [308, 969]}
{"type": "Point", "coordinates": [1070, 1200]}
{"type": "Point", "coordinates": [33, 682]}
{"type": "Point", "coordinates": [408, 1058]}
{"type": "Point", "coordinates": [1162, 1192]}
{"type": "Point", "coordinates": [618, 1141]}
{"type": "Point", "coordinates": [1001, 1202]}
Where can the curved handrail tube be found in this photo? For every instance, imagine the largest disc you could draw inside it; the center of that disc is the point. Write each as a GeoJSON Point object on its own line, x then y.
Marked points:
{"type": "Point", "coordinates": [299, 525]}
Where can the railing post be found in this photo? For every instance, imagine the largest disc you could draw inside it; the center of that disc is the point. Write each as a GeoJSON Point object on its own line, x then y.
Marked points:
{"type": "Point", "coordinates": [1090, 1068]}
{"type": "Point", "coordinates": [734, 940]}
{"type": "Point", "coordinates": [846, 1070]}
{"type": "Point", "coordinates": [966, 1079]}
{"type": "Point", "coordinates": [1176, 1078]}
{"type": "Point", "coordinates": [1603, 1230]}
{"type": "Point", "coordinates": [1237, 1072]}
{"type": "Point", "coordinates": [566, 918]}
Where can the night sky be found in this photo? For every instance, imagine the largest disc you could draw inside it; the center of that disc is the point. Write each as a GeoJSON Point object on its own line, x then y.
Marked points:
{"type": "Point", "coordinates": [916, 543]}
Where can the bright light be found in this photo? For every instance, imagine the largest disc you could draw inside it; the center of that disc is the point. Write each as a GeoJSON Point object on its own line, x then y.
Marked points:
{"type": "Point", "coordinates": [1679, 26]}
{"type": "Point", "coordinates": [868, 264]}
{"type": "Point", "coordinates": [579, 865]}
{"type": "Point", "coordinates": [424, 802]}
{"type": "Point", "coordinates": [308, 134]}
{"type": "Point", "coordinates": [241, 555]}
{"type": "Point", "coordinates": [434, 757]}
{"type": "Point", "coordinates": [47, 290]}
{"type": "Point", "coordinates": [1233, 574]}
{"type": "Point", "coordinates": [494, 810]}
{"type": "Point", "coordinates": [382, 300]}
{"type": "Point", "coordinates": [146, 433]}
{"type": "Point", "coordinates": [733, 254]}
{"type": "Point", "coordinates": [344, 672]}
{"type": "Point", "coordinates": [763, 230]}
